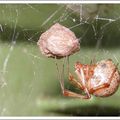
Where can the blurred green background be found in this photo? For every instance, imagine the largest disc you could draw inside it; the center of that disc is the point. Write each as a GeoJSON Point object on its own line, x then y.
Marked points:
{"type": "Point", "coordinates": [29, 82]}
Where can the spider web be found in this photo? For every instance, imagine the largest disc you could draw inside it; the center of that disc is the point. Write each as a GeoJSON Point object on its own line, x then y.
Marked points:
{"type": "Point", "coordinates": [25, 75]}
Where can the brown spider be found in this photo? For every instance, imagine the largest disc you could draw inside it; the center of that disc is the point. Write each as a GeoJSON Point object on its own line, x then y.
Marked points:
{"type": "Point", "coordinates": [101, 79]}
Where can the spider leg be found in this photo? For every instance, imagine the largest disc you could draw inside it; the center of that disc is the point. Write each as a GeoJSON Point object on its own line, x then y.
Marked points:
{"type": "Point", "coordinates": [82, 80]}
{"type": "Point", "coordinates": [76, 95]}
{"type": "Point", "coordinates": [60, 74]}
{"type": "Point", "coordinates": [75, 82]}
{"type": "Point", "coordinates": [69, 93]}
{"type": "Point", "coordinates": [104, 85]}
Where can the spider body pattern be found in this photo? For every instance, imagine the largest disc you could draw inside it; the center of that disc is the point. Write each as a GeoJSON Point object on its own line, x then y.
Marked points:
{"type": "Point", "coordinates": [101, 79]}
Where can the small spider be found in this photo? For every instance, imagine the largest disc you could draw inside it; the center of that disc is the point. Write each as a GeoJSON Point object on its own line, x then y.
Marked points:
{"type": "Point", "coordinates": [101, 79]}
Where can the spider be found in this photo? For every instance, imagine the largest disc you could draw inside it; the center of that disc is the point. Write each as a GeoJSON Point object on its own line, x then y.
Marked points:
{"type": "Point", "coordinates": [101, 79]}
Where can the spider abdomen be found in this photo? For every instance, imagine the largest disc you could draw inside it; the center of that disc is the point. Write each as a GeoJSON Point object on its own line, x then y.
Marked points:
{"type": "Point", "coordinates": [105, 80]}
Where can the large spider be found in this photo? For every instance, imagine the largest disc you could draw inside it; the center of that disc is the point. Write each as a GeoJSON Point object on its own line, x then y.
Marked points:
{"type": "Point", "coordinates": [101, 79]}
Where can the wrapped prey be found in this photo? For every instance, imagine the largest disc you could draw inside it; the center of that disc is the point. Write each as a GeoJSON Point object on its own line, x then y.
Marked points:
{"type": "Point", "coordinates": [58, 42]}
